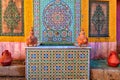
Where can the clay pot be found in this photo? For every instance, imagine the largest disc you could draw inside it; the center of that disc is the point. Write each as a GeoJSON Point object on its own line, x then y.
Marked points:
{"type": "Point", "coordinates": [6, 58]}
{"type": "Point", "coordinates": [82, 40]}
{"type": "Point", "coordinates": [31, 40]}
{"type": "Point", "coordinates": [113, 59]}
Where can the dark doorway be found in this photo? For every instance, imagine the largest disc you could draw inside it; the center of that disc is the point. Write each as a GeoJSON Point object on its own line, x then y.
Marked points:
{"type": "Point", "coordinates": [118, 26]}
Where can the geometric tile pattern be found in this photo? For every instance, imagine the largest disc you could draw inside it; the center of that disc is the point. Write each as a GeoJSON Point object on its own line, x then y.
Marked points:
{"type": "Point", "coordinates": [57, 21]}
{"type": "Point", "coordinates": [11, 17]}
{"type": "Point", "coordinates": [99, 19]}
{"type": "Point", "coordinates": [57, 64]}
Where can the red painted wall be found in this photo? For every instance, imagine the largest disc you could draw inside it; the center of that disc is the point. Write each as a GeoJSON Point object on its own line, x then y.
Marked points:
{"type": "Point", "coordinates": [118, 25]}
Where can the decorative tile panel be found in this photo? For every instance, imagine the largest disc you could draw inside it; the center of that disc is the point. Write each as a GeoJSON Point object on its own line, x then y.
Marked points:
{"type": "Point", "coordinates": [51, 63]}
{"type": "Point", "coordinates": [99, 19]}
{"type": "Point", "coordinates": [11, 21]}
{"type": "Point", "coordinates": [57, 21]}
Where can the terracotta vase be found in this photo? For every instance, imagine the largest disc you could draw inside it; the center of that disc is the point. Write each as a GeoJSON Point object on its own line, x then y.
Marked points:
{"type": "Point", "coordinates": [113, 59]}
{"type": "Point", "coordinates": [31, 40]}
{"type": "Point", "coordinates": [82, 40]}
{"type": "Point", "coordinates": [6, 58]}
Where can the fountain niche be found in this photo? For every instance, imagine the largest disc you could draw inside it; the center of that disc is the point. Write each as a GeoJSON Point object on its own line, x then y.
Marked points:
{"type": "Point", "coordinates": [57, 24]}
{"type": "Point", "coordinates": [57, 29]}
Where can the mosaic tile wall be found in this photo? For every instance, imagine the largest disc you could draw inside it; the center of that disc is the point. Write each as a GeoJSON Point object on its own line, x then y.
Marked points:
{"type": "Point", "coordinates": [57, 21]}
{"type": "Point", "coordinates": [11, 17]}
{"type": "Point", "coordinates": [57, 64]}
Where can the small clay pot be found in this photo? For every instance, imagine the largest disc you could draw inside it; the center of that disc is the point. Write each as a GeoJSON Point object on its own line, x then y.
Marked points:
{"type": "Point", "coordinates": [113, 59]}
{"type": "Point", "coordinates": [6, 58]}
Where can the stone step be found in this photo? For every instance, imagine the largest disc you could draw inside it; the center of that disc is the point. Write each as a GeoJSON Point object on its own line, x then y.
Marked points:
{"type": "Point", "coordinates": [105, 74]}
{"type": "Point", "coordinates": [16, 71]}
{"type": "Point", "coordinates": [101, 71]}
{"type": "Point", "coordinates": [12, 78]}
{"type": "Point", "coordinates": [13, 70]}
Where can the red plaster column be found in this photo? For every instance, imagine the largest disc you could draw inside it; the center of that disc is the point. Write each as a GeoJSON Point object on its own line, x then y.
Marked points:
{"type": "Point", "coordinates": [118, 25]}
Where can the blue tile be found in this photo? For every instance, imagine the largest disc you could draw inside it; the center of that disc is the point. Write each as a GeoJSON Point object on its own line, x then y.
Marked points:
{"type": "Point", "coordinates": [45, 68]}
{"type": "Point", "coordinates": [45, 78]}
{"type": "Point", "coordinates": [82, 55]}
{"type": "Point", "coordinates": [58, 55]}
{"type": "Point", "coordinates": [82, 67]}
{"type": "Point", "coordinates": [33, 68]}
{"type": "Point", "coordinates": [57, 78]}
{"type": "Point", "coordinates": [57, 67]}
{"type": "Point", "coordinates": [45, 55]}
{"type": "Point", "coordinates": [70, 55]}
{"type": "Point", "coordinates": [34, 79]}
{"type": "Point", "coordinates": [33, 56]}
{"type": "Point", "coordinates": [70, 67]}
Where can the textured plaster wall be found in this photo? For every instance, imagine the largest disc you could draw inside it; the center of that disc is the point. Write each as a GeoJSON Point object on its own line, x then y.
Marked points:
{"type": "Point", "coordinates": [16, 44]}
{"type": "Point", "coordinates": [118, 26]}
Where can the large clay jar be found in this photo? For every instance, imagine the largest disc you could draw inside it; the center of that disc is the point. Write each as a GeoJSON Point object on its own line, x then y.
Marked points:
{"type": "Point", "coordinates": [113, 59]}
{"type": "Point", "coordinates": [6, 58]}
{"type": "Point", "coordinates": [31, 40]}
